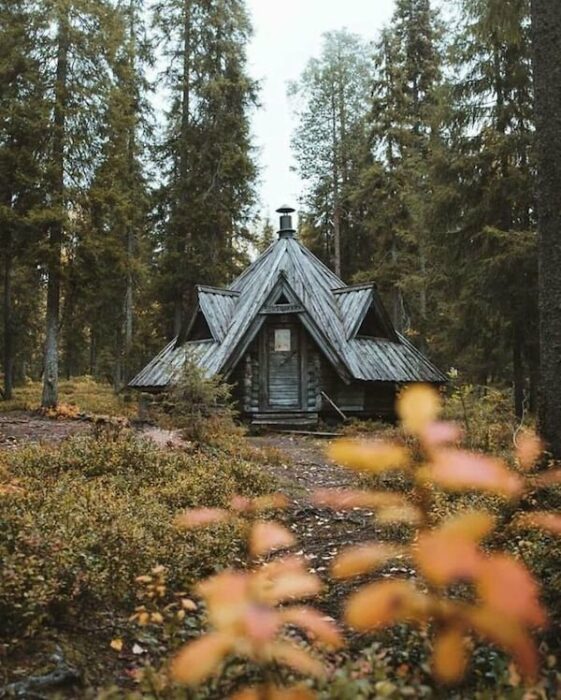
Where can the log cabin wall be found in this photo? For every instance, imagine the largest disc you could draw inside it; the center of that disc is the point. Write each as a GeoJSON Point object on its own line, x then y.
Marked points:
{"type": "Point", "coordinates": [367, 399]}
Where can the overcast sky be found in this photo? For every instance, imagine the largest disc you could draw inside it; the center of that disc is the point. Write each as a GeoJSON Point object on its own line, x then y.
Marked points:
{"type": "Point", "coordinates": [287, 34]}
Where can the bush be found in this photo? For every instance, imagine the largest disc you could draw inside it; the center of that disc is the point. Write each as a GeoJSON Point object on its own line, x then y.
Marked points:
{"type": "Point", "coordinates": [80, 521]}
{"type": "Point", "coordinates": [201, 407]}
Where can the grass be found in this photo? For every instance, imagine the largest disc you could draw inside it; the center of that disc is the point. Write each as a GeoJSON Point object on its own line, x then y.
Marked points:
{"type": "Point", "coordinates": [90, 396]}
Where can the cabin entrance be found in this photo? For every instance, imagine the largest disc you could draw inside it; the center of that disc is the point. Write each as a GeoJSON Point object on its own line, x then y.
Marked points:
{"type": "Point", "coordinates": [282, 364]}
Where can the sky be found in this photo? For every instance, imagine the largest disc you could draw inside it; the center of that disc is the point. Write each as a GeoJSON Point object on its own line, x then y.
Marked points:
{"type": "Point", "coordinates": [287, 34]}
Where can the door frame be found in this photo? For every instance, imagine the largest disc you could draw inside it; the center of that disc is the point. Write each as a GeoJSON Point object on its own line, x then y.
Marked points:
{"type": "Point", "coordinates": [269, 326]}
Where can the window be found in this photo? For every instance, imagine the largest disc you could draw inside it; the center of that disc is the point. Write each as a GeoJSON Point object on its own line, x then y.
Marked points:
{"type": "Point", "coordinates": [200, 329]}
{"type": "Point", "coordinates": [372, 326]}
{"type": "Point", "coordinates": [283, 340]}
{"type": "Point", "coordinates": [282, 300]}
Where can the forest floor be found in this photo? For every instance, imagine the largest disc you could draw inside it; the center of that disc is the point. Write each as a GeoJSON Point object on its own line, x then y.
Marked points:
{"type": "Point", "coordinates": [321, 533]}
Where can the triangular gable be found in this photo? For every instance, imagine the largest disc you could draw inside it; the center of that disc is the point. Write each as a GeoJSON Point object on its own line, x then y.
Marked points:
{"type": "Point", "coordinates": [283, 289]}
{"type": "Point", "coordinates": [363, 313]}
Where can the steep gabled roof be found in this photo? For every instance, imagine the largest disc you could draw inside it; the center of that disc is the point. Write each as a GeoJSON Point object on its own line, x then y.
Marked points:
{"type": "Point", "coordinates": [331, 312]}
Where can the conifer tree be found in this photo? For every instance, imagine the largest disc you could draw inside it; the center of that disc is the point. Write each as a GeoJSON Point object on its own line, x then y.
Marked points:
{"type": "Point", "coordinates": [22, 126]}
{"type": "Point", "coordinates": [331, 98]}
{"type": "Point", "coordinates": [75, 60]}
{"type": "Point", "coordinates": [546, 30]}
{"type": "Point", "coordinates": [206, 157]}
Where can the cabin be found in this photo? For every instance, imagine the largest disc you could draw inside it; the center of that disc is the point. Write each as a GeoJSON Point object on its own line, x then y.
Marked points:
{"type": "Point", "coordinates": [296, 343]}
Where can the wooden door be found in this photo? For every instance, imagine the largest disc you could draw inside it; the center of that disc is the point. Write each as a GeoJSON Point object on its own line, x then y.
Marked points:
{"type": "Point", "coordinates": [284, 367]}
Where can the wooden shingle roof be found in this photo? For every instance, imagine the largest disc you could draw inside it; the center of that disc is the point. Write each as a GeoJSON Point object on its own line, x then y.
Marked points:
{"type": "Point", "coordinates": [330, 311]}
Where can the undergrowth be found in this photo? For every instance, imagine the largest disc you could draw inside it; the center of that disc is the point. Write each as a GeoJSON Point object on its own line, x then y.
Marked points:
{"type": "Point", "coordinates": [84, 393]}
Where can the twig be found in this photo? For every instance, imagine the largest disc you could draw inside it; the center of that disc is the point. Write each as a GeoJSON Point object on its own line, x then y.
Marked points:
{"type": "Point", "coordinates": [62, 675]}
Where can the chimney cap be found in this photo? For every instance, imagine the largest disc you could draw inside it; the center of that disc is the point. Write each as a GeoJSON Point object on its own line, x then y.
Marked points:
{"type": "Point", "coordinates": [285, 209]}
{"type": "Point", "coordinates": [286, 229]}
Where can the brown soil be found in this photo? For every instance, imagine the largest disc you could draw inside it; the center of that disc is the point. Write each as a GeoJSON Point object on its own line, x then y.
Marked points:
{"type": "Point", "coordinates": [322, 533]}
{"type": "Point", "coordinates": [19, 428]}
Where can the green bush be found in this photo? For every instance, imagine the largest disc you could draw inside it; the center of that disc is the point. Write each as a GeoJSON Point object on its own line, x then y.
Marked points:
{"type": "Point", "coordinates": [90, 515]}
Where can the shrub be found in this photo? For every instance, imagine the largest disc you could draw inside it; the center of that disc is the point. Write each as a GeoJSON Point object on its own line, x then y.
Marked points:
{"type": "Point", "coordinates": [200, 406]}
{"type": "Point", "coordinates": [78, 523]}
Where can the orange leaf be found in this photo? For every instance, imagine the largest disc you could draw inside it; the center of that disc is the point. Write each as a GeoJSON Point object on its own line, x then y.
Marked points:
{"type": "Point", "coordinates": [383, 604]}
{"type": "Point", "coordinates": [507, 587]}
{"type": "Point", "coordinates": [542, 520]}
{"type": "Point", "coordinates": [418, 406]}
{"type": "Point", "coordinates": [550, 478]}
{"type": "Point", "coordinates": [457, 470]}
{"type": "Point", "coordinates": [340, 499]}
{"type": "Point", "coordinates": [440, 433]}
{"type": "Point", "coordinates": [267, 536]}
{"type": "Point", "coordinates": [298, 659]}
{"type": "Point", "coordinates": [443, 558]}
{"type": "Point", "coordinates": [363, 558]}
{"type": "Point", "coordinates": [508, 635]}
{"type": "Point", "coordinates": [200, 517]}
{"type": "Point", "coordinates": [201, 658]}
{"type": "Point", "coordinates": [449, 658]}
{"type": "Point", "coordinates": [529, 448]}
{"type": "Point", "coordinates": [291, 586]}
{"type": "Point", "coordinates": [227, 595]}
{"type": "Point", "coordinates": [313, 622]}
{"type": "Point", "coordinates": [260, 624]}
{"type": "Point", "coordinates": [117, 644]}
{"type": "Point", "coordinates": [370, 456]}
{"type": "Point", "coordinates": [472, 525]}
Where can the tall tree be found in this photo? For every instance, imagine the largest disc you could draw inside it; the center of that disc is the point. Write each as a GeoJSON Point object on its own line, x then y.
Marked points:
{"type": "Point", "coordinates": [206, 156]}
{"type": "Point", "coordinates": [331, 102]}
{"type": "Point", "coordinates": [492, 248]}
{"type": "Point", "coordinates": [405, 127]}
{"type": "Point", "coordinates": [22, 126]}
{"type": "Point", "coordinates": [75, 64]}
{"type": "Point", "coordinates": [546, 30]}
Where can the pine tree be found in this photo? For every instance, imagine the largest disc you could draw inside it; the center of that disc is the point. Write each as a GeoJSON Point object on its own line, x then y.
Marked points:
{"type": "Point", "coordinates": [206, 157]}
{"type": "Point", "coordinates": [331, 95]}
{"type": "Point", "coordinates": [493, 247]}
{"type": "Point", "coordinates": [75, 63]}
{"type": "Point", "coordinates": [404, 127]}
{"type": "Point", "coordinates": [113, 240]}
{"type": "Point", "coordinates": [546, 30]}
{"type": "Point", "coordinates": [22, 124]}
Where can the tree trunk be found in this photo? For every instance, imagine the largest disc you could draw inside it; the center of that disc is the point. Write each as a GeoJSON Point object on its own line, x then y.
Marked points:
{"type": "Point", "coordinates": [7, 306]}
{"type": "Point", "coordinates": [336, 193]}
{"type": "Point", "coordinates": [518, 370]}
{"type": "Point", "coordinates": [546, 31]}
{"type": "Point", "coordinates": [184, 236]}
{"type": "Point", "coordinates": [50, 377]}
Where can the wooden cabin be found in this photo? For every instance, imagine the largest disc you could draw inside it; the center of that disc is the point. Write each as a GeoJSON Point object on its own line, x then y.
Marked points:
{"type": "Point", "coordinates": [295, 342]}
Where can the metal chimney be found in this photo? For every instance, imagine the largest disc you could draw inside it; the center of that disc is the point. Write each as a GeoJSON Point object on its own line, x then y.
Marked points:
{"type": "Point", "coordinates": [286, 229]}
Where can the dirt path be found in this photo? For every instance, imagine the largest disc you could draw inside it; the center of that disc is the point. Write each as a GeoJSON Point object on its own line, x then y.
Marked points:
{"type": "Point", "coordinates": [322, 533]}
{"type": "Point", "coordinates": [19, 427]}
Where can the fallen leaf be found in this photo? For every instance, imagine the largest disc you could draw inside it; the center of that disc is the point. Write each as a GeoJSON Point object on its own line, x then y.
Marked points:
{"type": "Point", "coordinates": [116, 644]}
